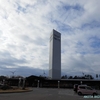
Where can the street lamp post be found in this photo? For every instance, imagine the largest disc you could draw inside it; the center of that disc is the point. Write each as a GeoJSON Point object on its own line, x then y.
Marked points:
{"type": "Point", "coordinates": [81, 82]}
{"type": "Point", "coordinates": [38, 84]}
{"type": "Point", "coordinates": [58, 84]}
{"type": "Point", "coordinates": [19, 82]}
{"type": "Point", "coordinates": [3, 81]}
{"type": "Point", "coordinates": [23, 83]}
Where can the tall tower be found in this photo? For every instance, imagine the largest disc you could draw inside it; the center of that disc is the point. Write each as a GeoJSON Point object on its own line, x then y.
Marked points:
{"type": "Point", "coordinates": [55, 55]}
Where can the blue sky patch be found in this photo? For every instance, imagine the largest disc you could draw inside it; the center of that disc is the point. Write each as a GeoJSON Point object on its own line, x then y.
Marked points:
{"type": "Point", "coordinates": [21, 9]}
{"type": "Point", "coordinates": [95, 42]}
{"type": "Point", "coordinates": [92, 24]}
{"type": "Point", "coordinates": [67, 7]}
{"type": "Point", "coordinates": [61, 26]}
{"type": "Point", "coordinates": [79, 44]}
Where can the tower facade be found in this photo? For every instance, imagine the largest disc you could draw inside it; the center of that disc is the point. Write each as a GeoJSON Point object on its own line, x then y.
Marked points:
{"type": "Point", "coordinates": [55, 55]}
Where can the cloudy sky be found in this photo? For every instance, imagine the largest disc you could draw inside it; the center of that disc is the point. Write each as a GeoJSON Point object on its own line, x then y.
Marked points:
{"type": "Point", "coordinates": [25, 27]}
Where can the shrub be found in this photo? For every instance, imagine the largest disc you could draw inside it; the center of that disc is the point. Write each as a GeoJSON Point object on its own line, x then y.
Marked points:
{"type": "Point", "coordinates": [5, 87]}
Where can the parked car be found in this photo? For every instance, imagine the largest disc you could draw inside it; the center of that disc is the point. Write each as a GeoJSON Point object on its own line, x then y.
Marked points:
{"type": "Point", "coordinates": [75, 87]}
{"type": "Point", "coordinates": [87, 90]}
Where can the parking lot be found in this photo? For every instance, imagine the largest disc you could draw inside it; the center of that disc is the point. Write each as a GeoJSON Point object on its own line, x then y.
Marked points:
{"type": "Point", "coordinates": [45, 94]}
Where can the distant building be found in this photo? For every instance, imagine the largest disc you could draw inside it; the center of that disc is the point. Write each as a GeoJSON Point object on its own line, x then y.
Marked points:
{"type": "Point", "coordinates": [55, 55]}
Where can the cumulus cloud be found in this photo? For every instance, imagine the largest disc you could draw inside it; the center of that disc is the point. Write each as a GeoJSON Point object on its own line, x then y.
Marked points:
{"type": "Point", "coordinates": [25, 27]}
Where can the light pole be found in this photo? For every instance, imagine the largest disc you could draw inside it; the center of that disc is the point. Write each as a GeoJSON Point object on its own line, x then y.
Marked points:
{"type": "Point", "coordinates": [19, 82]}
{"type": "Point", "coordinates": [38, 84]}
{"type": "Point", "coordinates": [81, 82]}
{"type": "Point", "coordinates": [3, 81]}
{"type": "Point", "coordinates": [58, 84]}
{"type": "Point", "coordinates": [23, 83]}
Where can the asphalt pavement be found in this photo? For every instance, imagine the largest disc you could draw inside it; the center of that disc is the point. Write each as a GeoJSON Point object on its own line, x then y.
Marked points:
{"type": "Point", "coordinates": [45, 94]}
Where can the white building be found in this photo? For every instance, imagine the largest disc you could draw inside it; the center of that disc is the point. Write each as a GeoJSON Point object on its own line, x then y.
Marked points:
{"type": "Point", "coordinates": [55, 55]}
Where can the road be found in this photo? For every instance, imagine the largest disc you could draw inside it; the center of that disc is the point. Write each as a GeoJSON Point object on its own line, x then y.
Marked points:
{"type": "Point", "coordinates": [44, 94]}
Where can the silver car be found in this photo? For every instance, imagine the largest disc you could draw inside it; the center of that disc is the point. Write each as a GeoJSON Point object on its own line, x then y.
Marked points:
{"type": "Point", "coordinates": [83, 89]}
